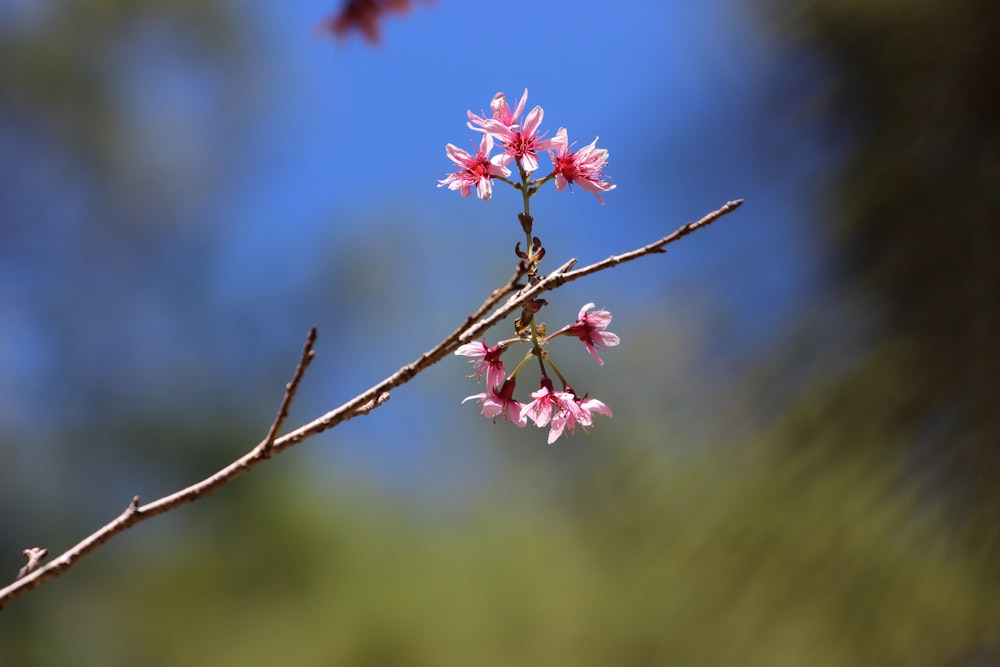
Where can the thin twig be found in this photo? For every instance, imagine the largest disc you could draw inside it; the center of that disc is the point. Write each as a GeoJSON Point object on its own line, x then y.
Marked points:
{"type": "Point", "coordinates": [474, 326]}
{"type": "Point", "coordinates": [134, 514]}
{"type": "Point", "coordinates": [350, 409]}
{"type": "Point", "coordinates": [656, 246]}
{"type": "Point", "coordinates": [35, 555]}
{"type": "Point", "coordinates": [307, 356]}
{"type": "Point", "coordinates": [67, 559]}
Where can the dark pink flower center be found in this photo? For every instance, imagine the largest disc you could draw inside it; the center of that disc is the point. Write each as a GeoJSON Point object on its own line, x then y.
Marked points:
{"type": "Point", "coordinates": [480, 168]}
{"type": "Point", "coordinates": [522, 145]}
{"type": "Point", "coordinates": [566, 165]}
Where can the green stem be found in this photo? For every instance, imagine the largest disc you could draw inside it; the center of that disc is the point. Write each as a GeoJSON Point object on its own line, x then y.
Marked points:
{"type": "Point", "coordinates": [534, 185]}
{"type": "Point", "coordinates": [556, 370]}
{"type": "Point", "coordinates": [521, 364]}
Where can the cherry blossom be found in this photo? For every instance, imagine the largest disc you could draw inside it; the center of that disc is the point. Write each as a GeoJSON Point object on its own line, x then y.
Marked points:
{"type": "Point", "coordinates": [561, 410]}
{"type": "Point", "coordinates": [363, 16]}
{"type": "Point", "coordinates": [580, 411]}
{"type": "Point", "coordinates": [520, 142]}
{"type": "Point", "coordinates": [486, 359]}
{"type": "Point", "coordinates": [523, 144]}
{"type": "Point", "coordinates": [590, 328]}
{"type": "Point", "coordinates": [474, 170]}
{"type": "Point", "coordinates": [547, 400]}
{"type": "Point", "coordinates": [501, 113]}
{"type": "Point", "coordinates": [500, 402]}
{"type": "Point", "coordinates": [582, 167]}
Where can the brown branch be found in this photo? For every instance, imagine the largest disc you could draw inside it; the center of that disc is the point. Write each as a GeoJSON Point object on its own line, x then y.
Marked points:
{"type": "Point", "coordinates": [656, 246]}
{"type": "Point", "coordinates": [134, 514]}
{"type": "Point", "coordinates": [65, 561]}
{"type": "Point", "coordinates": [307, 356]}
{"type": "Point", "coordinates": [474, 326]}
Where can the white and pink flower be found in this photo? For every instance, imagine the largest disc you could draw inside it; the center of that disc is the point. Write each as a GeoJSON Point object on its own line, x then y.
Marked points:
{"type": "Point", "coordinates": [520, 142]}
{"type": "Point", "coordinates": [501, 112]}
{"type": "Point", "coordinates": [590, 328]}
{"type": "Point", "coordinates": [547, 401]}
{"type": "Point", "coordinates": [487, 360]}
{"type": "Point", "coordinates": [582, 167]}
{"type": "Point", "coordinates": [475, 171]}
{"type": "Point", "coordinates": [583, 414]}
{"type": "Point", "coordinates": [561, 410]}
{"type": "Point", "coordinates": [500, 402]}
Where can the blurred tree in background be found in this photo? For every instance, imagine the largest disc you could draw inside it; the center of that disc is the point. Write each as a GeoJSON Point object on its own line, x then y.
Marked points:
{"type": "Point", "coordinates": [853, 524]}
{"type": "Point", "coordinates": [911, 96]}
{"type": "Point", "coordinates": [107, 159]}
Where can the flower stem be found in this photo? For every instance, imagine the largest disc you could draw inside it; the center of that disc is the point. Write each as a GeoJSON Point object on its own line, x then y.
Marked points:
{"type": "Point", "coordinates": [526, 219]}
{"type": "Point", "coordinates": [533, 187]}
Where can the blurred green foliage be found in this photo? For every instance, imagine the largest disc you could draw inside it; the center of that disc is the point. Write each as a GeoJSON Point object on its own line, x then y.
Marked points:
{"type": "Point", "coordinates": [735, 560]}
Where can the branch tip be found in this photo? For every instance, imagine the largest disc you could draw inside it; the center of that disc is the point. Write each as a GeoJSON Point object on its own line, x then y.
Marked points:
{"type": "Point", "coordinates": [308, 353]}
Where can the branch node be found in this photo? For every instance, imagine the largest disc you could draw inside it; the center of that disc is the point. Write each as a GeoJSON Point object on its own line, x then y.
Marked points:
{"type": "Point", "coordinates": [133, 508]}
{"type": "Point", "coordinates": [35, 556]}
{"type": "Point", "coordinates": [372, 404]}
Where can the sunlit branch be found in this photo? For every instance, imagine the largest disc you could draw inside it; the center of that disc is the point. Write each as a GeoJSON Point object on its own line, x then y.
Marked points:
{"type": "Point", "coordinates": [475, 325]}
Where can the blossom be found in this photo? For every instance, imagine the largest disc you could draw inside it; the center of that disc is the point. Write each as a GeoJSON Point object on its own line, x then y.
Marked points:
{"type": "Point", "coordinates": [520, 142]}
{"type": "Point", "coordinates": [501, 112]}
{"type": "Point", "coordinates": [523, 144]}
{"type": "Point", "coordinates": [580, 412]}
{"type": "Point", "coordinates": [486, 359]}
{"type": "Point", "coordinates": [561, 410]}
{"type": "Point", "coordinates": [582, 167]}
{"type": "Point", "coordinates": [474, 170]}
{"type": "Point", "coordinates": [363, 16]}
{"type": "Point", "coordinates": [497, 402]}
{"type": "Point", "coordinates": [546, 401]}
{"type": "Point", "coordinates": [590, 328]}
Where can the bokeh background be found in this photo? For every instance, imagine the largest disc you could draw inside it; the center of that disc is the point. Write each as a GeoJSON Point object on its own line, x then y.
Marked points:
{"type": "Point", "coordinates": [802, 468]}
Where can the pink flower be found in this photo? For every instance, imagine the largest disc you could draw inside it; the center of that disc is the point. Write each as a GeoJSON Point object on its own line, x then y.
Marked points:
{"type": "Point", "coordinates": [362, 16]}
{"type": "Point", "coordinates": [590, 328]}
{"type": "Point", "coordinates": [486, 359]}
{"type": "Point", "coordinates": [580, 412]}
{"type": "Point", "coordinates": [497, 402]}
{"type": "Point", "coordinates": [561, 410]}
{"type": "Point", "coordinates": [474, 170]}
{"type": "Point", "coordinates": [546, 401]}
{"type": "Point", "coordinates": [520, 142]}
{"type": "Point", "coordinates": [582, 167]}
{"type": "Point", "coordinates": [501, 112]}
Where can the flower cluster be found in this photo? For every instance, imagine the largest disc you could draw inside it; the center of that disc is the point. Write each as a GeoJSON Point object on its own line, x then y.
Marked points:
{"type": "Point", "coordinates": [519, 139]}
{"type": "Point", "coordinates": [521, 142]}
{"type": "Point", "coordinates": [562, 411]}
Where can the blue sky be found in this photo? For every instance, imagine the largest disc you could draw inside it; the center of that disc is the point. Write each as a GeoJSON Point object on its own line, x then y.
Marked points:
{"type": "Point", "coordinates": [349, 137]}
{"type": "Point", "coordinates": [674, 89]}
{"type": "Point", "coordinates": [332, 165]}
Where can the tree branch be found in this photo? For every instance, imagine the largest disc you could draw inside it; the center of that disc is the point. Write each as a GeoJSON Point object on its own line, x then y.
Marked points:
{"type": "Point", "coordinates": [474, 326]}
{"type": "Point", "coordinates": [655, 246]}
{"type": "Point", "coordinates": [307, 356]}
